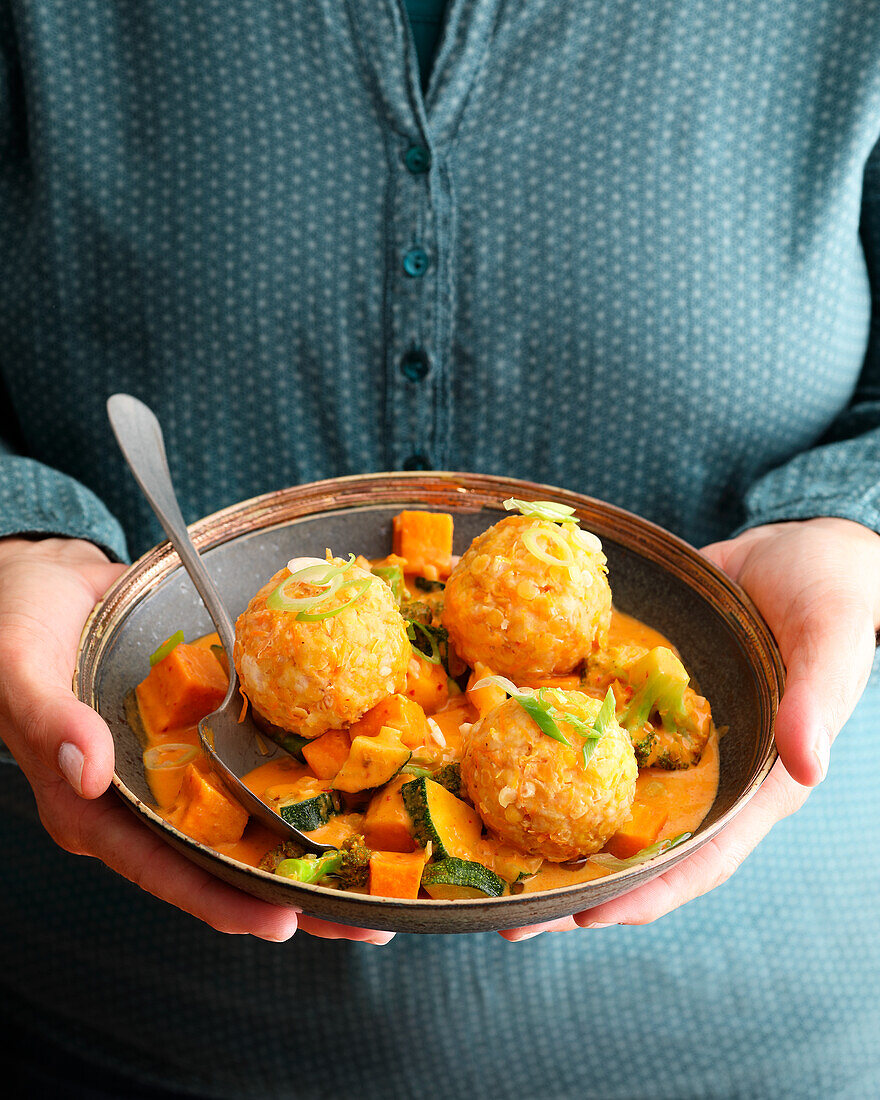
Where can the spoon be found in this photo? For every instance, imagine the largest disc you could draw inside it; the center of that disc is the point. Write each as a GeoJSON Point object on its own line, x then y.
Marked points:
{"type": "Point", "coordinates": [226, 741]}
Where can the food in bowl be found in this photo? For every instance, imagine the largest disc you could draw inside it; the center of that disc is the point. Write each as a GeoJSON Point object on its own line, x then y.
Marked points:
{"type": "Point", "coordinates": [430, 773]}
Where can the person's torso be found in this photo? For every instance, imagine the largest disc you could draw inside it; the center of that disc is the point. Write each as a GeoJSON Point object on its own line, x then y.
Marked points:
{"type": "Point", "coordinates": [615, 246]}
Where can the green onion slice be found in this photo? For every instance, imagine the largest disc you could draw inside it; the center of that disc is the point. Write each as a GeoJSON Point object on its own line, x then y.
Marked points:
{"type": "Point", "coordinates": [540, 713]}
{"type": "Point", "coordinates": [612, 863]}
{"type": "Point", "coordinates": [169, 756]}
{"type": "Point", "coordinates": [165, 648]}
{"type": "Point", "coordinates": [553, 536]}
{"type": "Point", "coordinates": [360, 586]}
{"type": "Point", "coordinates": [541, 708]}
{"type": "Point", "coordinates": [392, 575]}
{"type": "Point", "coordinates": [541, 509]}
{"type": "Point", "coordinates": [412, 625]}
{"type": "Point", "coordinates": [328, 578]}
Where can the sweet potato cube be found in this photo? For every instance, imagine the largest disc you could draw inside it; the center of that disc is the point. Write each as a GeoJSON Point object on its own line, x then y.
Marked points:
{"type": "Point", "coordinates": [396, 874]}
{"type": "Point", "coordinates": [387, 823]}
{"type": "Point", "coordinates": [424, 539]}
{"type": "Point", "coordinates": [181, 689]}
{"type": "Point", "coordinates": [426, 684]}
{"type": "Point", "coordinates": [327, 753]}
{"type": "Point", "coordinates": [398, 712]}
{"type": "Point", "coordinates": [205, 811]}
{"type": "Point", "coordinates": [485, 698]}
{"type": "Point", "coordinates": [372, 761]}
{"type": "Point", "coordinates": [642, 829]}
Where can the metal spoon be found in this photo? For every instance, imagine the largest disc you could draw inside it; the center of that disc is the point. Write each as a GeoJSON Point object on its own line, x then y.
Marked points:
{"type": "Point", "coordinates": [225, 740]}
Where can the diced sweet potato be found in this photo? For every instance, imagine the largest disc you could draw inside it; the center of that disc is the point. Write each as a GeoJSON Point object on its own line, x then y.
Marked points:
{"type": "Point", "coordinates": [180, 689]}
{"type": "Point", "coordinates": [396, 874]}
{"type": "Point", "coordinates": [372, 761]}
{"type": "Point", "coordinates": [426, 684]}
{"type": "Point", "coordinates": [424, 540]}
{"type": "Point", "coordinates": [387, 823]}
{"type": "Point", "coordinates": [327, 753]}
{"type": "Point", "coordinates": [642, 829]}
{"type": "Point", "coordinates": [205, 811]}
{"type": "Point", "coordinates": [398, 712]}
{"type": "Point", "coordinates": [486, 698]}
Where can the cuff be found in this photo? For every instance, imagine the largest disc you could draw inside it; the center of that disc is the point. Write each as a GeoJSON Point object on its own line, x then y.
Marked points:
{"type": "Point", "coordinates": [36, 500]}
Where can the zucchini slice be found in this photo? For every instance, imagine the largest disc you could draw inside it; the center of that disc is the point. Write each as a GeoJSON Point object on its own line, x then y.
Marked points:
{"type": "Point", "coordinates": [451, 826]}
{"type": "Point", "coordinates": [461, 878]}
{"type": "Point", "coordinates": [311, 813]}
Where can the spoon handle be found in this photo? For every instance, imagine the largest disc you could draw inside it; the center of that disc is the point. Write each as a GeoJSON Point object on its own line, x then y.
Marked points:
{"type": "Point", "coordinates": [140, 438]}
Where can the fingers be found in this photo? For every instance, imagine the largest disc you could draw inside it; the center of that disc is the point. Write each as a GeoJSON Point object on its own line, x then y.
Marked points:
{"type": "Point", "coordinates": [328, 930]}
{"type": "Point", "coordinates": [828, 661]}
{"type": "Point", "coordinates": [528, 932]}
{"type": "Point", "coordinates": [710, 866]}
{"type": "Point", "coordinates": [110, 832]}
{"type": "Point", "coordinates": [62, 735]}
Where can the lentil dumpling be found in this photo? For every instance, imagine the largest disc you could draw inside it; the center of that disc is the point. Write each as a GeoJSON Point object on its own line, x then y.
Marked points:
{"type": "Point", "coordinates": [536, 793]}
{"type": "Point", "coordinates": [529, 597]}
{"type": "Point", "coordinates": [311, 676]}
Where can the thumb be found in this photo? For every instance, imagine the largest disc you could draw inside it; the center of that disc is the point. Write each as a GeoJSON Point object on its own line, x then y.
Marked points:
{"type": "Point", "coordinates": [827, 666]}
{"type": "Point", "coordinates": [47, 728]}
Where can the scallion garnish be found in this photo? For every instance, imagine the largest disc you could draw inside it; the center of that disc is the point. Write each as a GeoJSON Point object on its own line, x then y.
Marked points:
{"type": "Point", "coordinates": [433, 636]}
{"type": "Point", "coordinates": [612, 863]}
{"type": "Point", "coordinates": [541, 509]}
{"type": "Point", "coordinates": [329, 579]}
{"type": "Point", "coordinates": [360, 586]}
{"type": "Point", "coordinates": [547, 714]}
{"type": "Point", "coordinates": [165, 648]}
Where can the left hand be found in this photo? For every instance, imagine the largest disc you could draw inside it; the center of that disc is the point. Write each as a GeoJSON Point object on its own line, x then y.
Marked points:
{"type": "Point", "coordinates": [817, 583]}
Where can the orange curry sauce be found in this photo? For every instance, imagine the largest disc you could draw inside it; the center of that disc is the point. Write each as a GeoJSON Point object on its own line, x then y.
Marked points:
{"type": "Point", "coordinates": [686, 796]}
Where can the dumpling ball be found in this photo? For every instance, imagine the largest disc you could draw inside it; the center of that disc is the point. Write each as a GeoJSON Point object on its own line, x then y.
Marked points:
{"type": "Point", "coordinates": [535, 792]}
{"type": "Point", "coordinates": [529, 597]}
{"type": "Point", "coordinates": [309, 677]}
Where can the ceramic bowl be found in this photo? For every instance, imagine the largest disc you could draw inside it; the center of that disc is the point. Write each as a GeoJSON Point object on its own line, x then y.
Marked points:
{"type": "Point", "coordinates": [654, 575]}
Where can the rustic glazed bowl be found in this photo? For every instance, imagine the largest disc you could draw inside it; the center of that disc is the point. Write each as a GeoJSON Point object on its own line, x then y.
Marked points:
{"type": "Point", "coordinates": [654, 575]}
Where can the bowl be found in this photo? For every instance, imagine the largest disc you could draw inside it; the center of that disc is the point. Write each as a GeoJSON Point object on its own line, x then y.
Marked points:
{"type": "Point", "coordinates": [655, 576]}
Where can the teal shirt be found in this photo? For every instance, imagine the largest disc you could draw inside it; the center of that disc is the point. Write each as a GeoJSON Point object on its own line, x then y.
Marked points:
{"type": "Point", "coordinates": [632, 249]}
{"type": "Point", "coordinates": [425, 19]}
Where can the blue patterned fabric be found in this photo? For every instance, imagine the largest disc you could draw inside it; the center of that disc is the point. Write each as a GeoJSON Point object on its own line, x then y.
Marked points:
{"type": "Point", "coordinates": [628, 248]}
{"type": "Point", "coordinates": [425, 19]}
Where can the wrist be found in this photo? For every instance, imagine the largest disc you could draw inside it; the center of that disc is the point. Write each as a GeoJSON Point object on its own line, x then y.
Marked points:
{"type": "Point", "coordinates": [53, 547]}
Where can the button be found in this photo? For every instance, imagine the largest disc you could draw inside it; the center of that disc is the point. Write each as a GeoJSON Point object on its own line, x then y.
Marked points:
{"type": "Point", "coordinates": [417, 462]}
{"type": "Point", "coordinates": [417, 159]}
{"type": "Point", "coordinates": [416, 262]}
{"type": "Point", "coordinates": [415, 365]}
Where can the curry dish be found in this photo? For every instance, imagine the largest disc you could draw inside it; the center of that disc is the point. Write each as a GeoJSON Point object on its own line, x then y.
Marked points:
{"type": "Point", "coordinates": [455, 728]}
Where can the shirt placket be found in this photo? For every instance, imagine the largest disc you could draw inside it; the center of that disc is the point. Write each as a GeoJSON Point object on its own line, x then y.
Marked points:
{"type": "Point", "coordinates": [419, 284]}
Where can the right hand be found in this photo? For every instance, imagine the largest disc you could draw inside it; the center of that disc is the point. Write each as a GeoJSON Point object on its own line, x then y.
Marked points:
{"type": "Point", "coordinates": [47, 590]}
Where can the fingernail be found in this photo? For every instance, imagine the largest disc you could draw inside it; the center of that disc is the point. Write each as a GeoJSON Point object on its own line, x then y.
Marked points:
{"type": "Point", "coordinates": [822, 753]}
{"type": "Point", "coordinates": [528, 936]}
{"type": "Point", "coordinates": [380, 942]}
{"type": "Point", "coordinates": [71, 762]}
{"type": "Point", "coordinates": [596, 924]}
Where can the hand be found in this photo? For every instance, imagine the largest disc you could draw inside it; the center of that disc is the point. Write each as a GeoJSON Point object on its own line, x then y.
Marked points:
{"type": "Point", "coordinates": [817, 583]}
{"type": "Point", "coordinates": [47, 590]}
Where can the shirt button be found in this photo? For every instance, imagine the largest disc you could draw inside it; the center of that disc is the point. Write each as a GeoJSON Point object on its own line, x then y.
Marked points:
{"type": "Point", "coordinates": [417, 159]}
{"type": "Point", "coordinates": [417, 462]}
{"type": "Point", "coordinates": [415, 262]}
{"type": "Point", "coordinates": [415, 365]}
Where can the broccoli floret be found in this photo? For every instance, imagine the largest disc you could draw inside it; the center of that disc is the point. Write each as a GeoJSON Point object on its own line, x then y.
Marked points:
{"type": "Point", "coordinates": [658, 680]}
{"type": "Point", "coordinates": [660, 685]}
{"type": "Point", "coordinates": [287, 849]}
{"type": "Point", "coordinates": [349, 865]}
{"type": "Point", "coordinates": [449, 776]}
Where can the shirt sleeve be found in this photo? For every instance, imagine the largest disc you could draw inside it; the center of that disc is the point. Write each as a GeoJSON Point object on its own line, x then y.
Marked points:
{"type": "Point", "coordinates": [37, 500]}
{"type": "Point", "coordinates": [840, 476]}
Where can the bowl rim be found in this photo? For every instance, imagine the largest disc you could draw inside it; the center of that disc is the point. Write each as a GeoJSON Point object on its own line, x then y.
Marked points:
{"type": "Point", "coordinates": [159, 562]}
